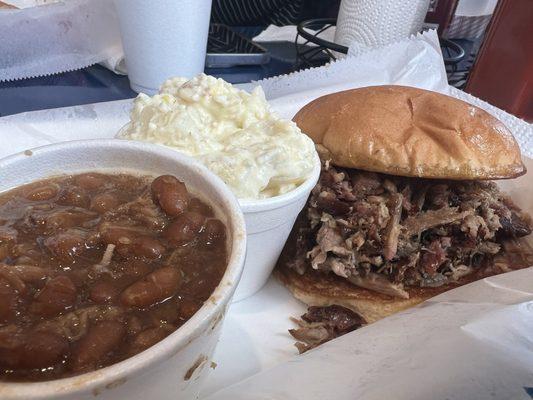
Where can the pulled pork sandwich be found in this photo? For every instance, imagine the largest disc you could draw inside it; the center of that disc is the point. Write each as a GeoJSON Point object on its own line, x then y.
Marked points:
{"type": "Point", "coordinates": [404, 209]}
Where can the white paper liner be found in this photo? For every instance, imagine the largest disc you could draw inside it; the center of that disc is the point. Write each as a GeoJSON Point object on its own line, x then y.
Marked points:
{"type": "Point", "coordinates": [56, 37]}
{"type": "Point", "coordinates": [443, 349]}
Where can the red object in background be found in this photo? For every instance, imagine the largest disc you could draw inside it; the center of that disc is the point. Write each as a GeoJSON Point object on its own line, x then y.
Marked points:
{"type": "Point", "coordinates": [441, 12]}
{"type": "Point", "coordinates": [503, 71]}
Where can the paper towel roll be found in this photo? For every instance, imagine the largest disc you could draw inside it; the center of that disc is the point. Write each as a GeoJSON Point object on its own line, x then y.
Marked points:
{"type": "Point", "coordinates": [370, 23]}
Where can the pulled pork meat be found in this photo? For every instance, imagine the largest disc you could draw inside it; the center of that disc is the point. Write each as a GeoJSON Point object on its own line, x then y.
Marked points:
{"type": "Point", "coordinates": [388, 233]}
{"type": "Point", "coordinates": [321, 324]}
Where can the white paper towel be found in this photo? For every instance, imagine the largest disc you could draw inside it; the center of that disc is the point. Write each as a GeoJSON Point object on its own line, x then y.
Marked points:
{"type": "Point", "coordinates": [368, 23]}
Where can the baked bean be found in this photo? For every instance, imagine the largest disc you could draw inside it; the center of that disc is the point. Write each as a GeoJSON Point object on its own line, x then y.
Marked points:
{"type": "Point", "coordinates": [90, 181]}
{"type": "Point", "coordinates": [92, 349]}
{"type": "Point", "coordinates": [66, 245]}
{"type": "Point", "coordinates": [26, 273]}
{"type": "Point", "coordinates": [65, 219]}
{"type": "Point", "coordinates": [56, 296]}
{"type": "Point", "coordinates": [8, 234]}
{"type": "Point", "coordinates": [118, 235]}
{"type": "Point", "coordinates": [90, 274]}
{"type": "Point", "coordinates": [148, 338]}
{"type": "Point", "coordinates": [134, 324]}
{"type": "Point", "coordinates": [136, 268]}
{"type": "Point", "coordinates": [196, 205]}
{"type": "Point", "coordinates": [153, 288]}
{"type": "Point", "coordinates": [8, 301]}
{"type": "Point", "coordinates": [188, 307]}
{"type": "Point", "coordinates": [32, 350]}
{"type": "Point", "coordinates": [5, 250]}
{"type": "Point", "coordinates": [145, 246]}
{"type": "Point", "coordinates": [141, 247]}
{"type": "Point", "coordinates": [170, 194]}
{"type": "Point", "coordinates": [17, 275]}
{"type": "Point", "coordinates": [214, 231]}
{"type": "Point", "coordinates": [184, 228]}
{"type": "Point", "coordinates": [74, 196]}
{"type": "Point", "coordinates": [103, 292]}
{"type": "Point", "coordinates": [41, 193]}
{"type": "Point", "coordinates": [104, 202]}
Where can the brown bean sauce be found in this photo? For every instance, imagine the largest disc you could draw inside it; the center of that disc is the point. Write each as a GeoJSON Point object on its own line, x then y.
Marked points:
{"type": "Point", "coordinates": [95, 268]}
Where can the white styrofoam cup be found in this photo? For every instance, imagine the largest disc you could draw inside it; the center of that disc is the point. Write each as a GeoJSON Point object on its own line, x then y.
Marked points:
{"type": "Point", "coordinates": [268, 224]}
{"type": "Point", "coordinates": [162, 39]}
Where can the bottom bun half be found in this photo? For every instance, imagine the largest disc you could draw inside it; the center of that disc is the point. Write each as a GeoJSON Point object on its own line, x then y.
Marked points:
{"type": "Point", "coordinates": [316, 288]}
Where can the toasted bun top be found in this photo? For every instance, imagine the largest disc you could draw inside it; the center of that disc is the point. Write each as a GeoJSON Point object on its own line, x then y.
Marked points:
{"type": "Point", "coordinates": [406, 131]}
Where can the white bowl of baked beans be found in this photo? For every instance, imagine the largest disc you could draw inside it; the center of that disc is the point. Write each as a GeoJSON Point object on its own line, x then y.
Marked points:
{"type": "Point", "coordinates": [118, 260]}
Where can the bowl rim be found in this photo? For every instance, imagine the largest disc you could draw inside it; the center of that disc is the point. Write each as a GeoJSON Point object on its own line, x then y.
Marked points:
{"type": "Point", "coordinates": [270, 203]}
{"type": "Point", "coordinates": [213, 307]}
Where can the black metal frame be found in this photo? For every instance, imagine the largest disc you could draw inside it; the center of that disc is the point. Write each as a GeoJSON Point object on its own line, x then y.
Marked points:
{"type": "Point", "coordinates": [306, 54]}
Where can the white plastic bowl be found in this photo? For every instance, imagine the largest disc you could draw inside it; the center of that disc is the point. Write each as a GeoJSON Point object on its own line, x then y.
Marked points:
{"type": "Point", "coordinates": [175, 367]}
{"type": "Point", "coordinates": [268, 224]}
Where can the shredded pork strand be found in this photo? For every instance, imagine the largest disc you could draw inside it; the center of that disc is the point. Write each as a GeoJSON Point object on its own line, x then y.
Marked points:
{"type": "Point", "coordinates": [321, 324]}
{"type": "Point", "coordinates": [102, 266]}
{"type": "Point", "coordinates": [388, 233]}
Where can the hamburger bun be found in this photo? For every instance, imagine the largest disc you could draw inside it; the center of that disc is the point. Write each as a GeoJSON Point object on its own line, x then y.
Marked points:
{"type": "Point", "coordinates": [315, 288]}
{"type": "Point", "coordinates": [411, 132]}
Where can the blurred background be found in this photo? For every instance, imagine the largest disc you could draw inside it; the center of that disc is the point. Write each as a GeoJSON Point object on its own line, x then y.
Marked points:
{"type": "Point", "coordinates": [487, 46]}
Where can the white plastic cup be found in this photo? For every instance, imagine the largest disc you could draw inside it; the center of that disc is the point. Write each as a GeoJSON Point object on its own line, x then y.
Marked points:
{"type": "Point", "coordinates": [163, 39]}
{"type": "Point", "coordinates": [268, 224]}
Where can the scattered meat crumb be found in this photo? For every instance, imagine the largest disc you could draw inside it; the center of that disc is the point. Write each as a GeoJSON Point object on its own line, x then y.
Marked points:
{"type": "Point", "coordinates": [321, 324]}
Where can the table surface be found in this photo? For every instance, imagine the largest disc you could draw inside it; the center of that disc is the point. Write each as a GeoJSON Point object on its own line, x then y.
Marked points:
{"type": "Point", "coordinates": [96, 83]}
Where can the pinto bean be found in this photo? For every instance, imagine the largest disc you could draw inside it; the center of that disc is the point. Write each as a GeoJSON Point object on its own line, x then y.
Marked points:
{"type": "Point", "coordinates": [145, 246]}
{"type": "Point", "coordinates": [37, 349]}
{"type": "Point", "coordinates": [56, 296]}
{"type": "Point", "coordinates": [170, 194]}
{"type": "Point", "coordinates": [90, 181]}
{"type": "Point", "coordinates": [66, 245]}
{"type": "Point", "coordinates": [104, 202]}
{"type": "Point", "coordinates": [17, 275]}
{"type": "Point", "coordinates": [196, 205]}
{"type": "Point", "coordinates": [118, 235]}
{"type": "Point", "coordinates": [103, 292]}
{"type": "Point", "coordinates": [8, 234]}
{"type": "Point", "coordinates": [134, 324]}
{"type": "Point", "coordinates": [99, 341]}
{"type": "Point", "coordinates": [184, 228]}
{"type": "Point", "coordinates": [5, 250]}
{"type": "Point", "coordinates": [214, 231]}
{"type": "Point", "coordinates": [188, 307]}
{"type": "Point", "coordinates": [148, 338]}
{"type": "Point", "coordinates": [136, 268]}
{"type": "Point", "coordinates": [41, 193]}
{"type": "Point", "coordinates": [8, 301]}
{"type": "Point", "coordinates": [130, 242]}
{"type": "Point", "coordinates": [74, 196]}
{"type": "Point", "coordinates": [65, 218]}
{"type": "Point", "coordinates": [153, 288]}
